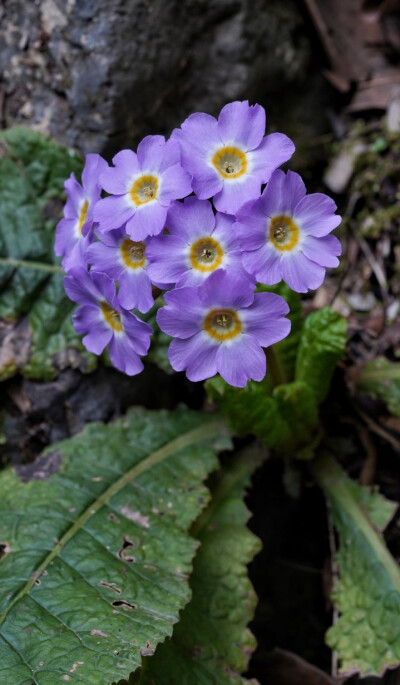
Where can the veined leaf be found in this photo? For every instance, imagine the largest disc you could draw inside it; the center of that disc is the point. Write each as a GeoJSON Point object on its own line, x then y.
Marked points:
{"type": "Point", "coordinates": [322, 344]}
{"type": "Point", "coordinates": [367, 633]}
{"type": "Point", "coordinates": [381, 378]}
{"type": "Point", "coordinates": [211, 644]}
{"type": "Point", "coordinates": [94, 546]}
{"type": "Point", "coordinates": [285, 419]}
{"type": "Point", "coordinates": [32, 173]}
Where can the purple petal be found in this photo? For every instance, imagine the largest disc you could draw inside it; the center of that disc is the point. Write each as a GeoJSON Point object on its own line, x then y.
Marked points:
{"type": "Point", "coordinates": [137, 331]}
{"type": "Point", "coordinates": [225, 232]}
{"type": "Point", "coordinates": [263, 264]}
{"type": "Point", "coordinates": [242, 124]}
{"type": "Point", "coordinates": [206, 181]}
{"type": "Point", "coordinates": [118, 179]}
{"type": "Point", "coordinates": [251, 226]}
{"type": "Point", "coordinates": [75, 197]}
{"type": "Point", "coordinates": [236, 192]}
{"type": "Point", "coordinates": [227, 289]}
{"type": "Point", "coordinates": [80, 287]}
{"type": "Point", "coordinates": [105, 258]}
{"type": "Point", "coordinates": [295, 190]}
{"type": "Point", "coordinates": [135, 290]}
{"type": "Point", "coordinates": [322, 251]}
{"type": "Point", "coordinates": [112, 212]}
{"type": "Point", "coordinates": [183, 314]}
{"type": "Point", "coordinates": [191, 219]}
{"type": "Point", "coordinates": [301, 273]}
{"type": "Point", "coordinates": [315, 213]}
{"type": "Point", "coordinates": [264, 319]}
{"type": "Point", "coordinates": [167, 258]}
{"type": "Point", "coordinates": [196, 355]}
{"type": "Point", "coordinates": [150, 152]}
{"type": "Point", "coordinates": [123, 357]}
{"type": "Point", "coordinates": [176, 183]}
{"type": "Point", "coordinates": [241, 361]}
{"type": "Point", "coordinates": [148, 220]}
{"type": "Point", "coordinates": [94, 166]}
{"type": "Point", "coordinates": [275, 149]}
{"type": "Point", "coordinates": [275, 199]}
{"type": "Point", "coordinates": [198, 136]}
{"type": "Point", "coordinates": [89, 319]}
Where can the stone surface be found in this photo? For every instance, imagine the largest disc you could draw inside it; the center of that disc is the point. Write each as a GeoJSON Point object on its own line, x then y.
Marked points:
{"type": "Point", "coordinates": [99, 75]}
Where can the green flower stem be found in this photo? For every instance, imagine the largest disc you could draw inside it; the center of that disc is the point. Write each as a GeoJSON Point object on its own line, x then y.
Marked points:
{"type": "Point", "coordinates": [333, 480]}
{"type": "Point", "coordinates": [274, 368]}
{"type": "Point", "coordinates": [38, 266]}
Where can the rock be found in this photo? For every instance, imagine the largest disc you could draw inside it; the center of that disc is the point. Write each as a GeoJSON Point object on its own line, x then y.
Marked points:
{"type": "Point", "coordinates": [98, 76]}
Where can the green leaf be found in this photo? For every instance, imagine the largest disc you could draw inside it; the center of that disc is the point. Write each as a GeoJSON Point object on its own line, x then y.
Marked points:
{"type": "Point", "coordinates": [285, 419]}
{"type": "Point", "coordinates": [322, 344]}
{"type": "Point", "coordinates": [32, 174]}
{"type": "Point", "coordinates": [211, 643]}
{"type": "Point", "coordinates": [367, 633]}
{"type": "Point", "coordinates": [96, 550]}
{"type": "Point", "coordinates": [381, 379]}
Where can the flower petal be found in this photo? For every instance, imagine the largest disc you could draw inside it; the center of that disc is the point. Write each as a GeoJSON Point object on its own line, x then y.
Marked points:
{"type": "Point", "coordinates": [191, 219]}
{"type": "Point", "coordinates": [196, 355]}
{"type": "Point", "coordinates": [315, 213]}
{"type": "Point", "coordinates": [301, 273]}
{"type": "Point", "coordinates": [135, 290]}
{"type": "Point", "coordinates": [275, 149]}
{"type": "Point", "coordinates": [264, 319]}
{"type": "Point", "coordinates": [322, 251]}
{"type": "Point", "coordinates": [232, 289]}
{"type": "Point", "coordinates": [236, 192]}
{"type": "Point", "coordinates": [148, 220]}
{"type": "Point", "coordinates": [89, 319]}
{"type": "Point", "coordinates": [118, 179]}
{"type": "Point", "coordinates": [112, 212]}
{"type": "Point", "coordinates": [241, 361]}
{"type": "Point", "coordinates": [263, 264]}
{"type": "Point", "coordinates": [150, 152]}
{"type": "Point", "coordinates": [167, 258]}
{"type": "Point", "coordinates": [242, 124]}
{"type": "Point", "coordinates": [176, 183]}
{"type": "Point", "coordinates": [123, 357]}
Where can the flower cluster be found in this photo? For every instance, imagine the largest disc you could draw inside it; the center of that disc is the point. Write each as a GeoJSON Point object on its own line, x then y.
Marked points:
{"type": "Point", "coordinates": [242, 221]}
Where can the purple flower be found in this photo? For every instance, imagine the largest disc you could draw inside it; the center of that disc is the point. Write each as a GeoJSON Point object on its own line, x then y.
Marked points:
{"type": "Point", "coordinates": [125, 261]}
{"type": "Point", "coordinates": [142, 187]}
{"type": "Point", "coordinates": [285, 234]}
{"type": "Point", "coordinates": [199, 242]}
{"type": "Point", "coordinates": [73, 233]}
{"type": "Point", "coordinates": [105, 322]}
{"type": "Point", "coordinates": [230, 158]}
{"type": "Point", "coordinates": [221, 327]}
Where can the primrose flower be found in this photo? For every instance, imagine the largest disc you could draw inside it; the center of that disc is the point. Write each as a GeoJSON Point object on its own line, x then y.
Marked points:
{"type": "Point", "coordinates": [230, 159]}
{"type": "Point", "coordinates": [221, 327]}
{"type": "Point", "coordinates": [142, 187]}
{"type": "Point", "coordinates": [73, 233]}
{"type": "Point", "coordinates": [105, 322]}
{"type": "Point", "coordinates": [125, 261]}
{"type": "Point", "coordinates": [199, 242]}
{"type": "Point", "coordinates": [285, 234]}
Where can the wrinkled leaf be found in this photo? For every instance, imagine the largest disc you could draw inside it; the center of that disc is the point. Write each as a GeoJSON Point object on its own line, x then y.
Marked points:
{"type": "Point", "coordinates": [32, 173]}
{"type": "Point", "coordinates": [381, 379]}
{"type": "Point", "coordinates": [367, 633]}
{"type": "Point", "coordinates": [322, 344]}
{"type": "Point", "coordinates": [211, 643]}
{"type": "Point", "coordinates": [95, 546]}
{"type": "Point", "coordinates": [285, 419]}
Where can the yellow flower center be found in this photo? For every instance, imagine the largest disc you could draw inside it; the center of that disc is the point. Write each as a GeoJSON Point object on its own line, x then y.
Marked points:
{"type": "Point", "coordinates": [83, 216]}
{"type": "Point", "coordinates": [144, 190]}
{"type": "Point", "coordinates": [284, 234]}
{"type": "Point", "coordinates": [206, 255]}
{"type": "Point", "coordinates": [230, 162]}
{"type": "Point", "coordinates": [133, 254]}
{"type": "Point", "coordinates": [111, 316]}
{"type": "Point", "coordinates": [222, 324]}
